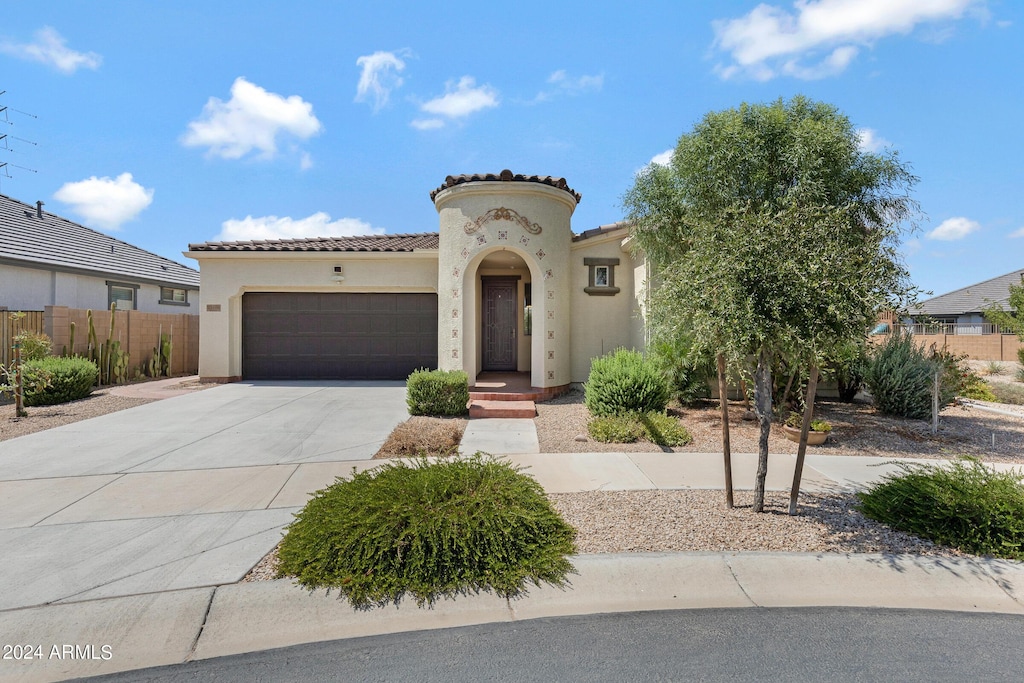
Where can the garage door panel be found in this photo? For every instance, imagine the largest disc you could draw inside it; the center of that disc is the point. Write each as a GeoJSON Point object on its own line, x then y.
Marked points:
{"type": "Point", "coordinates": [291, 335]}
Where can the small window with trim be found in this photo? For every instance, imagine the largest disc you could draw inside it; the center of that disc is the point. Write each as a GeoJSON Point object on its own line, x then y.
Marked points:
{"type": "Point", "coordinates": [601, 276]}
{"type": "Point", "coordinates": [174, 296]}
{"type": "Point", "coordinates": [122, 295]}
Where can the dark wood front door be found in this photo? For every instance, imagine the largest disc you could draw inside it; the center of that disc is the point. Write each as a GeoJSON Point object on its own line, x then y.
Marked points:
{"type": "Point", "coordinates": [499, 323]}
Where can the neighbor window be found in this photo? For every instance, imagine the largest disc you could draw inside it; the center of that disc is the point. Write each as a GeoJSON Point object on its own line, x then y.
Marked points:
{"type": "Point", "coordinates": [601, 276]}
{"type": "Point", "coordinates": [124, 296]}
{"type": "Point", "coordinates": [174, 296]}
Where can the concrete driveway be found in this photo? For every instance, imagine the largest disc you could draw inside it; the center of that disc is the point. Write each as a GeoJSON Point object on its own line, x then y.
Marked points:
{"type": "Point", "coordinates": [186, 492]}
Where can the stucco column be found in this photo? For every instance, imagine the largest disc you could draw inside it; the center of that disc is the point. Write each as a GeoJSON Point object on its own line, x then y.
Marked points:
{"type": "Point", "coordinates": [529, 216]}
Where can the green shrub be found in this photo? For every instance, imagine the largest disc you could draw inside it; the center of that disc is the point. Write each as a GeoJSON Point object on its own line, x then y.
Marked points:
{"type": "Point", "coordinates": [438, 392]}
{"type": "Point", "coordinates": [658, 428]}
{"type": "Point", "coordinates": [624, 382]}
{"type": "Point", "coordinates": [994, 367]}
{"type": "Point", "coordinates": [34, 345]}
{"type": "Point", "coordinates": [1007, 393]}
{"type": "Point", "coordinates": [901, 376]}
{"type": "Point", "coordinates": [1020, 374]}
{"type": "Point", "coordinates": [429, 529]}
{"type": "Point", "coordinates": [847, 367]}
{"type": "Point", "coordinates": [69, 380]}
{"type": "Point", "coordinates": [978, 389]}
{"type": "Point", "coordinates": [796, 421]}
{"type": "Point", "coordinates": [967, 505]}
{"type": "Point", "coordinates": [687, 374]}
{"type": "Point", "coordinates": [1020, 356]}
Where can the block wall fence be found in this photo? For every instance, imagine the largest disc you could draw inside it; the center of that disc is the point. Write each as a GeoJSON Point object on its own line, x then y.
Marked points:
{"type": "Point", "coordinates": [138, 332]}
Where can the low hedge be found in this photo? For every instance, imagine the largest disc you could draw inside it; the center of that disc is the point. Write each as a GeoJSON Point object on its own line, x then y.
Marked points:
{"type": "Point", "coordinates": [430, 529]}
{"type": "Point", "coordinates": [438, 392]}
{"type": "Point", "coordinates": [967, 505]}
{"type": "Point", "coordinates": [657, 428]}
{"type": "Point", "coordinates": [69, 379]}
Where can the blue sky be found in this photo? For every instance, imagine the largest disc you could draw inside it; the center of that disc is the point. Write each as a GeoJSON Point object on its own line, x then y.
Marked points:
{"type": "Point", "coordinates": [169, 123]}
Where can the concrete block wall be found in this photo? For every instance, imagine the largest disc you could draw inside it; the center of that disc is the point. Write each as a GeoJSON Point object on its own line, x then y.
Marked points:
{"type": "Point", "coordinates": [138, 332]}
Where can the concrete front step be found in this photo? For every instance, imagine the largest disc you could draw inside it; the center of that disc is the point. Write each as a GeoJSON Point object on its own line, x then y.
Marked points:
{"type": "Point", "coordinates": [535, 394]}
{"type": "Point", "coordinates": [515, 409]}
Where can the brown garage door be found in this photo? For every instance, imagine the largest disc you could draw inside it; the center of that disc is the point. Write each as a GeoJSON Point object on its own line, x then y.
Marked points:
{"type": "Point", "coordinates": [337, 336]}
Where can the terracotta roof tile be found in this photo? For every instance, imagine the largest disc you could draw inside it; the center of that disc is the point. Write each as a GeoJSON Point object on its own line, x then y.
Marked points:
{"type": "Point", "coordinates": [382, 243]}
{"type": "Point", "coordinates": [506, 176]}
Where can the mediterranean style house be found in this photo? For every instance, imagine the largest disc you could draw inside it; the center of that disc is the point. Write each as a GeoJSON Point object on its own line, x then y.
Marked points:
{"type": "Point", "coordinates": [504, 285]}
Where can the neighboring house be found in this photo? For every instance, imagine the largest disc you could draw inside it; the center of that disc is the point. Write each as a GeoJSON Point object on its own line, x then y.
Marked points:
{"type": "Point", "coordinates": [504, 285]}
{"type": "Point", "coordinates": [47, 260]}
{"type": "Point", "coordinates": [962, 311]}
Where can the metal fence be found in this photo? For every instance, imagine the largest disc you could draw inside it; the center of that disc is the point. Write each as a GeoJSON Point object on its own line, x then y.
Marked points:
{"type": "Point", "coordinates": [954, 328]}
{"type": "Point", "coordinates": [9, 329]}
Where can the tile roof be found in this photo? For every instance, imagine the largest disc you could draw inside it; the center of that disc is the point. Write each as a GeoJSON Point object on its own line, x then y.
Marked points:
{"type": "Point", "coordinates": [600, 230]}
{"type": "Point", "coordinates": [973, 298]}
{"type": "Point", "coordinates": [56, 242]}
{"type": "Point", "coordinates": [506, 176]}
{"type": "Point", "coordinates": [391, 243]}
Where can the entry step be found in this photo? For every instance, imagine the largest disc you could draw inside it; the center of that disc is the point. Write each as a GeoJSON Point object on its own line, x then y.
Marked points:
{"type": "Point", "coordinates": [479, 408]}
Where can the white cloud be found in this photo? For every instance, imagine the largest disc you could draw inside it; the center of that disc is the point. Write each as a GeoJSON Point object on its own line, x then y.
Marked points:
{"type": "Point", "coordinates": [106, 202]}
{"type": "Point", "coordinates": [251, 120]}
{"type": "Point", "coordinates": [460, 100]}
{"type": "Point", "coordinates": [284, 227]}
{"type": "Point", "coordinates": [582, 83]}
{"type": "Point", "coordinates": [663, 159]}
{"type": "Point", "coordinates": [379, 77]}
{"type": "Point", "coordinates": [50, 48]}
{"type": "Point", "coordinates": [868, 140]}
{"type": "Point", "coordinates": [427, 124]}
{"type": "Point", "coordinates": [769, 40]}
{"type": "Point", "coordinates": [954, 229]}
{"type": "Point", "coordinates": [1019, 232]}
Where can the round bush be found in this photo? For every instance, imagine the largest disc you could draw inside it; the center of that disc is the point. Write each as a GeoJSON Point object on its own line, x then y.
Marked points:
{"type": "Point", "coordinates": [429, 529]}
{"type": "Point", "coordinates": [625, 382]}
{"type": "Point", "coordinates": [968, 506]}
{"type": "Point", "coordinates": [34, 345]}
{"type": "Point", "coordinates": [437, 392]}
{"type": "Point", "coordinates": [69, 380]}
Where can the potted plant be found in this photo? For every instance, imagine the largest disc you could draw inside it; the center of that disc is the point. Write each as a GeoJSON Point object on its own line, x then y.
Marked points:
{"type": "Point", "coordinates": [815, 437]}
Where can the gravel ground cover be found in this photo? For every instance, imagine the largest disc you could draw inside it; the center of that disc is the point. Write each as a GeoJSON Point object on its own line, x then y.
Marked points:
{"type": "Point", "coordinates": [98, 403]}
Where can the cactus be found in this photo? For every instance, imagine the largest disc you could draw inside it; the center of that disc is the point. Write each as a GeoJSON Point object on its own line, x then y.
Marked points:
{"type": "Point", "coordinates": [71, 342]}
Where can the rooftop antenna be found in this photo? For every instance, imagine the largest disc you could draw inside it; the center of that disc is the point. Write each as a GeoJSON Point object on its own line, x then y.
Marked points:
{"type": "Point", "coordinates": [7, 139]}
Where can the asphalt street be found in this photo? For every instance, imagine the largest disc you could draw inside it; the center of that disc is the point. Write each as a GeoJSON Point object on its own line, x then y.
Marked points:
{"type": "Point", "coordinates": [780, 644]}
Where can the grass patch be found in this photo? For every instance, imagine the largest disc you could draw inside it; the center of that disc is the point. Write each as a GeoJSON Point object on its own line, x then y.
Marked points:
{"type": "Point", "coordinates": [1005, 392]}
{"type": "Point", "coordinates": [967, 506]}
{"type": "Point", "coordinates": [430, 529]}
{"type": "Point", "coordinates": [658, 428]}
{"type": "Point", "coordinates": [423, 436]}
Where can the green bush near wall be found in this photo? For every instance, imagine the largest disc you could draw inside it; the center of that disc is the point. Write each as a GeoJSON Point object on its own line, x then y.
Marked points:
{"type": "Point", "coordinates": [69, 380]}
{"type": "Point", "coordinates": [625, 382]}
{"type": "Point", "coordinates": [438, 392]}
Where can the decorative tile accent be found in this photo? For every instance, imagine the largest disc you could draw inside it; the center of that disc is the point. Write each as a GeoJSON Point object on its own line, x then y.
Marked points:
{"type": "Point", "coordinates": [524, 240]}
{"type": "Point", "coordinates": [465, 253]}
{"type": "Point", "coordinates": [503, 234]}
{"type": "Point", "coordinates": [502, 214]}
{"type": "Point", "coordinates": [551, 294]}
{"type": "Point", "coordinates": [551, 315]}
{"type": "Point", "coordinates": [455, 353]}
{"type": "Point", "coordinates": [541, 254]}
{"type": "Point", "coordinates": [455, 293]}
{"type": "Point", "coordinates": [548, 274]}
{"type": "Point", "coordinates": [481, 239]}
{"type": "Point", "coordinates": [551, 355]}
{"type": "Point", "coordinates": [551, 334]}
{"type": "Point", "coordinates": [455, 272]}
{"type": "Point", "coordinates": [455, 313]}
{"type": "Point", "coordinates": [551, 374]}
{"type": "Point", "coordinates": [455, 334]}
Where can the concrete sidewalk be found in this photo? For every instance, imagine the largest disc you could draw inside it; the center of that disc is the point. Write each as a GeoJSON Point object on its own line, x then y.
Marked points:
{"type": "Point", "coordinates": [136, 537]}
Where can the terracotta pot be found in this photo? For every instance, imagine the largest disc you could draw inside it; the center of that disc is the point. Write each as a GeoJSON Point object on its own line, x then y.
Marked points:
{"type": "Point", "coordinates": [813, 438]}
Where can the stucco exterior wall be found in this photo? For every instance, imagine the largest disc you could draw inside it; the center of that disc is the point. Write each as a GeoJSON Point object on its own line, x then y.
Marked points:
{"type": "Point", "coordinates": [229, 275]}
{"type": "Point", "coordinates": [32, 289]}
{"type": "Point", "coordinates": [531, 220]}
{"type": "Point", "coordinates": [600, 322]}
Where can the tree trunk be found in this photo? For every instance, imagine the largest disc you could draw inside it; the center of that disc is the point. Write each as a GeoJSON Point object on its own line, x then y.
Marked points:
{"type": "Point", "coordinates": [763, 411]}
{"type": "Point", "coordinates": [801, 451]}
{"type": "Point", "coordinates": [723, 397]}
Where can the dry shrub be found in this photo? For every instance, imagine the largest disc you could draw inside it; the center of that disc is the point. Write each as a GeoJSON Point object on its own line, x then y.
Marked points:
{"type": "Point", "coordinates": [423, 436]}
